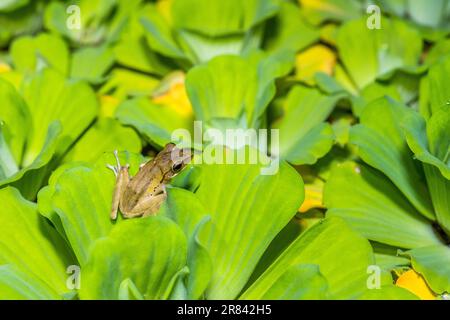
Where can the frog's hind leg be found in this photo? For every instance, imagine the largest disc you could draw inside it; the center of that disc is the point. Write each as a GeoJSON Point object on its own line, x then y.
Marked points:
{"type": "Point", "coordinates": [122, 179]}
{"type": "Point", "coordinates": [148, 206]}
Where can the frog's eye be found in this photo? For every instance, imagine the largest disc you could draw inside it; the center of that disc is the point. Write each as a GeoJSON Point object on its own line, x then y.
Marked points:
{"type": "Point", "coordinates": [177, 166]}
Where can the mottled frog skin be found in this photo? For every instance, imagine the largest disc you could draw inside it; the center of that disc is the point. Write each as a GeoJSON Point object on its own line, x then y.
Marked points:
{"type": "Point", "coordinates": [143, 194]}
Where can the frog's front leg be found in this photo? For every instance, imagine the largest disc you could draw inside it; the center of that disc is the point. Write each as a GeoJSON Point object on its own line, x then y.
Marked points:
{"type": "Point", "coordinates": [122, 179]}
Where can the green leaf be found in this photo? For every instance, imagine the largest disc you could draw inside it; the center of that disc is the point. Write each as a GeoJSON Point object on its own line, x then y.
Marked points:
{"type": "Point", "coordinates": [27, 19]}
{"type": "Point", "coordinates": [15, 123]}
{"type": "Point", "coordinates": [438, 52]}
{"type": "Point", "coordinates": [10, 5]}
{"type": "Point", "coordinates": [14, 114]}
{"type": "Point", "coordinates": [388, 292]}
{"type": "Point", "coordinates": [188, 212]}
{"type": "Point", "coordinates": [415, 128]}
{"type": "Point", "coordinates": [159, 35]}
{"type": "Point", "coordinates": [150, 264]}
{"type": "Point", "coordinates": [317, 12]}
{"type": "Point", "coordinates": [402, 87]}
{"type": "Point", "coordinates": [79, 199]}
{"type": "Point", "coordinates": [216, 18]}
{"type": "Point", "coordinates": [437, 86]}
{"type": "Point", "coordinates": [155, 121]}
{"type": "Point", "coordinates": [341, 128]}
{"type": "Point", "coordinates": [372, 205]}
{"type": "Point", "coordinates": [132, 49]}
{"type": "Point", "coordinates": [312, 146]}
{"type": "Point", "coordinates": [179, 291]}
{"type": "Point", "coordinates": [368, 54]}
{"type": "Point", "coordinates": [283, 239]}
{"type": "Point", "coordinates": [91, 64]}
{"type": "Point", "coordinates": [18, 285]}
{"type": "Point", "coordinates": [129, 291]}
{"type": "Point", "coordinates": [431, 16]}
{"type": "Point", "coordinates": [106, 135]}
{"type": "Point", "coordinates": [304, 136]}
{"type": "Point", "coordinates": [430, 143]}
{"type": "Point", "coordinates": [388, 257]}
{"type": "Point", "coordinates": [322, 245]}
{"type": "Point", "coordinates": [438, 133]}
{"type": "Point", "coordinates": [288, 31]}
{"type": "Point", "coordinates": [232, 27]}
{"type": "Point", "coordinates": [382, 145]}
{"type": "Point", "coordinates": [52, 119]}
{"type": "Point", "coordinates": [134, 52]}
{"type": "Point", "coordinates": [123, 83]}
{"type": "Point", "coordinates": [13, 77]}
{"type": "Point", "coordinates": [8, 165]}
{"type": "Point", "coordinates": [440, 195]}
{"type": "Point", "coordinates": [235, 87]}
{"type": "Point", "coordinates": [51, 97]}
{"type": "Point", "coordinates": [44, 199]}
{"type": "Point", "coordinates": [432, 263]}
{"type": "Point", "coordinates": [30, 54]}
{"type": "Point", "coordinates": [343, 80]}
{"type": "Point", "coordinates": [185, 209]}
{"type": "Point", "coordinates": [328, 84]}
{"type": "Point", "coordinates": [43, 258]}
{"type": "Point", "coordinates": [242, 223]}
{"type": "Point", "coordinates": [204, 48]}
{"type": "Point", "coordinates": [92, 14]}
{"type": "Point", "coordinates": [199, 264]}
{"type": "Point", "coordinates": [30, 178]}
{"type": "Point", "coordinates": [298, 282]}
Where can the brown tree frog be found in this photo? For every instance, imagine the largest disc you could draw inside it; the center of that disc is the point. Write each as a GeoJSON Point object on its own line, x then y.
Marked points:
{"type": "Point", "coordinates": [143, 194]}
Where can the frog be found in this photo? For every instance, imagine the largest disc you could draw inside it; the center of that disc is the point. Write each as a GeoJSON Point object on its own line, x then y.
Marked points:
{"type": "Point", "coordinates": [143, 194]}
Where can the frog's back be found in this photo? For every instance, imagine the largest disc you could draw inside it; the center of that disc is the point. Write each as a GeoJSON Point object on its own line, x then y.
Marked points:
{"type": "Point", "coordinates": [146, 181]}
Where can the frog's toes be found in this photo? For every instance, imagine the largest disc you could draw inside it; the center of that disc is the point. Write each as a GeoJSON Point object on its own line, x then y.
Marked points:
{"type": "Point", "coordinates": [116, 168]}
{"type": "Point", "coordinates": [113, 168]}
{"type": "Point", "coordinates": [116, 155]}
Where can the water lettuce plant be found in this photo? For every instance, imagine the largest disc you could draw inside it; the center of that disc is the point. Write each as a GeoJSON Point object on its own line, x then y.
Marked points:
{"type": "Point", "coordinates": [352, 99]}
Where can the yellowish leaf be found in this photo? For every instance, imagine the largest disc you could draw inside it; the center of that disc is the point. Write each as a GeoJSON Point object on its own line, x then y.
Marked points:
{"type": "Point", "coordinates": [108, 105]}
{"type": "Point", "coordinates": [322, 6]}
{"type": "Point", "coordinates": [4, 67]}
{"type": "Point", "coordinates": [318, 58]}
{"type": "Point", "coordinates": [12, 76]}
{"type": "Point", "coordinates": [164, 8]}
{"type": "Point", "coordinates": [414, 282]}
{"type": "Point", "coordinates": [313, 197]}
{"type": "Point", "coordinates": [172, 93]}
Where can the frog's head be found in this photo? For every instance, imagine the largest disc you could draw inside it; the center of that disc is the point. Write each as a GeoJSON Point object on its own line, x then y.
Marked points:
{"type": "Point", "coordinates": [173, 160]}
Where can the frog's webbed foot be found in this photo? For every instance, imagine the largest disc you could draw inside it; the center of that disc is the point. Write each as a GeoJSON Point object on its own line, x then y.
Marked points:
{"type": "Point", "coordinates": [113, 168]}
